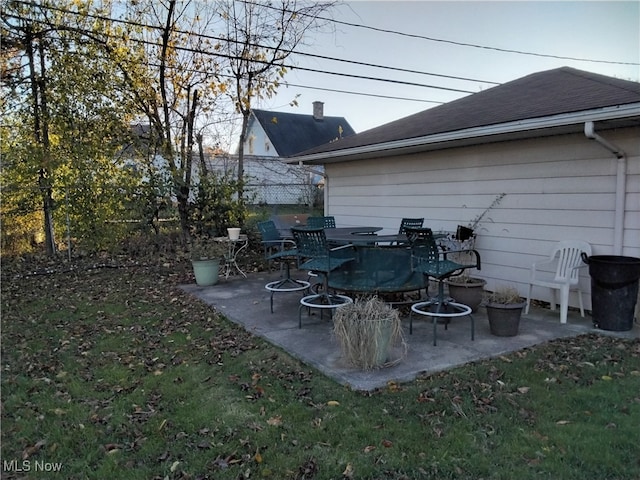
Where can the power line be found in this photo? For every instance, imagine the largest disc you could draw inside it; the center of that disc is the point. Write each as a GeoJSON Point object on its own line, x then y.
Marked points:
{"type": "Point", "coordinates": [497, 49]}
{"type": "Point", "coordinates": [391, 97]}
{"type": "Point", "coordinates": [305, 54]}
{"type": "Point", "coordinates": [388, 80]}
{"type": "Point", "coordinates": [291, 67]}
{"type": "Point", "coordinates": [309, 87]}
{"type": "Point", "coordinates": [395, 69]}
{"type": "Point", "coordinates": [460, 44]}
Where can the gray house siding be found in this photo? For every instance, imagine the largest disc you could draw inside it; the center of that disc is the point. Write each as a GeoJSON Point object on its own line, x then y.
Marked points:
{"type": "Point", "coordinates": [560, 187]}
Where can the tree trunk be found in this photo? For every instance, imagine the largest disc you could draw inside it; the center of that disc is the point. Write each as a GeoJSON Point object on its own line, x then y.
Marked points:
{"type": "Point", "coordinates": [243, 137]}
{"type": "Point", "coordinates": [47, 207]}
{"type": "Point", "coordinates": [204, 171]}
{"type": "Point", "coordinates": [41, 136]}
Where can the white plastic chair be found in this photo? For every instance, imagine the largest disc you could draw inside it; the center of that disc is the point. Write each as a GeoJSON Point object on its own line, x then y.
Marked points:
{"type": "Point", "coordinates": [566, 256]}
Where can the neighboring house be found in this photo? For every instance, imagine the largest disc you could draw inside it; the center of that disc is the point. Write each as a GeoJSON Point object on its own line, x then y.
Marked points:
{"type": "Point", "coordinates": [274, 135]}
{"type": "Point", "coordinates": [277, 134]}
{"type": "Point", "coordinates": [564, 145]}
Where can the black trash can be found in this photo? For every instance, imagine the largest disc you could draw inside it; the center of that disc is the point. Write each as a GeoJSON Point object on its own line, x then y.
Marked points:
{"type": "Point", "coordinates": [614, 290]}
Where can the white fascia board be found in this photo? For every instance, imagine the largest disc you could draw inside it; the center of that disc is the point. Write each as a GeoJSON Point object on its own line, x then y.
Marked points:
{"type": "Point", "coordinates": [561, 120]}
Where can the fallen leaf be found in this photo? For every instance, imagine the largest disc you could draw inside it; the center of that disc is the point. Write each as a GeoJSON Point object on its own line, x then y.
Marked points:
{"type": "Point", "coordinates": [33, 449]}
{"type": "Point", "coordinates": [348, 471]}
{"type": "Point", "coordinates": [174, 466]}
{"type": "Point", "coordinates": [393, 386]}
{"type": "Point", "coordinates": [369, 448]}
{"type": "Point", "coordinates": [387, 443]}
{"type": "Point", "coordinates": [606, 377]}
{"type": "Point", "coordinates": [562, 422]}
{"type": "Point", "coordinates": [523, 390]}
{"type": "Point", "coordinates": [257, 457]}
{"type": "Point", "coordinates": [333, 403]}
{"type": "Point", "coordinates": [275, 421]}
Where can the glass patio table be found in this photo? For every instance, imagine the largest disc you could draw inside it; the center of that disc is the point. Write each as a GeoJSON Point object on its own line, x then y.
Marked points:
{"type": "Point", "coordinates": [379, 270]}
{"type": "Point", "coordinates": [351, 235]}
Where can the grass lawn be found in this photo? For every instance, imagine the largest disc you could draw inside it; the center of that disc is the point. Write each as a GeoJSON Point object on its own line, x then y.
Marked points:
{"type": "Point", "coordinates": [115, 373]}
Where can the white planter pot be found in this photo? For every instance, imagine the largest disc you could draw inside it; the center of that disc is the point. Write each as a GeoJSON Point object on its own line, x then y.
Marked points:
{"type": "Point", "coordinates": [234, 233]}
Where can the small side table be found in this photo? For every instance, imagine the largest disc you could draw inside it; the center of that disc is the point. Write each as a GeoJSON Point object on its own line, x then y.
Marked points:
{"type": "Point", "coordinates": [233, 250]}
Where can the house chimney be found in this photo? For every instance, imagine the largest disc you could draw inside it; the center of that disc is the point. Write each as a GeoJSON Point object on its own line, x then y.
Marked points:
{"type": "Point", "coordinates": [318, 111]}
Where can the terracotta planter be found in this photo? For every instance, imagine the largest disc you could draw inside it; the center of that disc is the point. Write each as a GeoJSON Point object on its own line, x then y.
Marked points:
{"type": "Point", "coordinates": [504, 319]}
{"type": "Point", "coordinates": [469, 292]}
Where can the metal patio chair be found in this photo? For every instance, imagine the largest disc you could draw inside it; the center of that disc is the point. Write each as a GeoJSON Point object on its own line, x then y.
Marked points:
{"type": "Point", "coordinates": [566, 257]}
{"type": "Point", "coordinates": [321, 222]}
{"type": "Point", "coordinates": [428, 259]}
{"type": "Point", "coordinates": [315, 255]}
{"type": "Point", "coordinates": [283, 250]}
{"type": "Point", "coordinates": [409, 223]}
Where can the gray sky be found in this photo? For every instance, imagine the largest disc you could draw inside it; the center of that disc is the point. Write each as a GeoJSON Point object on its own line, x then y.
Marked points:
{"type": "Point", "coordinates": [608, 30]}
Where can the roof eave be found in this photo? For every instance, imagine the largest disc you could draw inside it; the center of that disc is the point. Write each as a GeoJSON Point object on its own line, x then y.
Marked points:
{"type": "Point", "coordinates": [553, 125]}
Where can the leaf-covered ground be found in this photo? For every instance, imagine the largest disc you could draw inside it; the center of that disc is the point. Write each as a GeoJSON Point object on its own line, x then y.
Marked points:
{"type": "Point", "coordinates": [111, 371]}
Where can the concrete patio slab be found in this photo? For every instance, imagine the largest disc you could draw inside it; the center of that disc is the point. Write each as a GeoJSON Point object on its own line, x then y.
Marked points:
{"type": "Point", "coordinates": [246, 302]}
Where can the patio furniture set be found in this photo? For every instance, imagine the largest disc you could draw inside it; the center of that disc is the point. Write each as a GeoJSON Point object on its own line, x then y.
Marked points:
{"type": "Point", "coordinates": [357, 261]}
{"type": "Point", "coordinates": [352, 261]}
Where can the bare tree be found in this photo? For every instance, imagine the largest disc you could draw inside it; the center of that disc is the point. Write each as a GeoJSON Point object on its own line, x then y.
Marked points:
{"type": "Point", "coordinates": [177, 84]}
{"type": "Point", "coordinates": [259, 39]}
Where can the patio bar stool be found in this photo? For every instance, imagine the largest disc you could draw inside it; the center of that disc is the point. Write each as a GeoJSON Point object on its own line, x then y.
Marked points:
{"type": "Point", "coordinates": [278, 248]}
{"type": "Point", "coordinates": [451, 310]}
{"type": "Point", "coordinates": [317, 257]}
{"type": "Point", "coordinates": [428, 259]}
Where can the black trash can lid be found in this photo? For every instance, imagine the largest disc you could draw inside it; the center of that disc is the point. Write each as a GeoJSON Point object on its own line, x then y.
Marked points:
{"type": "Point", "coordinates": [614, 269]}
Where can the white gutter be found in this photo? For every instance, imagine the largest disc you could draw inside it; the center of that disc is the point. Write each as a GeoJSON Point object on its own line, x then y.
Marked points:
{"type": "Point", "coordinates": [621, 183]}
{"type": "Point", "coordinates": [565, 119]}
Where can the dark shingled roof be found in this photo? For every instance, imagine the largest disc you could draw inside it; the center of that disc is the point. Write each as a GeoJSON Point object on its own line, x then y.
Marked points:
{"type": "Point", "coordinates": [552, 92]}
{"type": "Point", "coordinates": [292, 133]}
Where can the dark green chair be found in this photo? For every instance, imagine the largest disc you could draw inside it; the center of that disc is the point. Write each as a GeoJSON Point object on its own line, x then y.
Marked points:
{"type": "Point", "coordinates": [428, 259]}
{"type": "Point", "coordinates": [321, 222]}
{"type": "Point", "coordinates": [409, 223]}
{"type": "Point", "coordinates": [284, 250]}
{"type": "Point", "coordinates": [315, 255]}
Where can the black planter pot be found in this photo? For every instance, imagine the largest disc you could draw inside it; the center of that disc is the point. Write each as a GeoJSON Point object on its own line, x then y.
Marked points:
{"type": "Point", "coordinates": [463, 233]}
{"type": "Point", "coordinates": [504, 319]}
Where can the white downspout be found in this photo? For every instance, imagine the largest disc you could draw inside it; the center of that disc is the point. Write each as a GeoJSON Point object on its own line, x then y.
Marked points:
{"type": "Point", "coordinates": [621, 182]}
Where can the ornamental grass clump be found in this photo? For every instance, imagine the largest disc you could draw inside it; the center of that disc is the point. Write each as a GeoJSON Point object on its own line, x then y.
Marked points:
{"type": "Point", "coordinates": [367, 331]}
